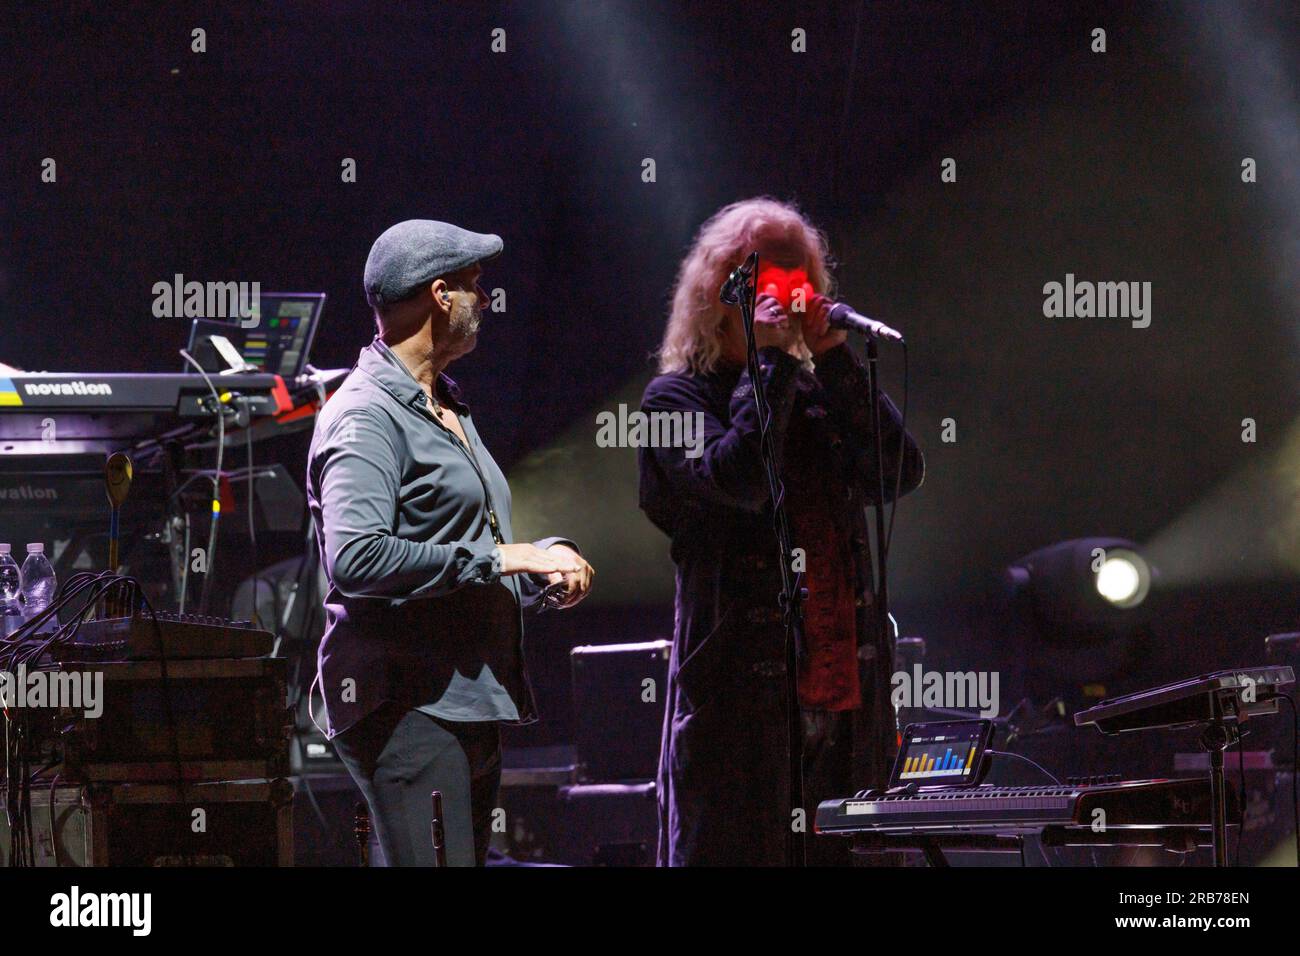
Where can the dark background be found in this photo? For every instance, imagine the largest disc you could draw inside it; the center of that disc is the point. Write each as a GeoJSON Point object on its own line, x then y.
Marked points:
{"type": "Point", "coordinates": [1122, 166]}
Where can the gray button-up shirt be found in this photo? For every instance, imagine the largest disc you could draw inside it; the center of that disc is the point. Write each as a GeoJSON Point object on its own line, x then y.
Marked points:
{"type": "Point", "coordinates": [408, 519]}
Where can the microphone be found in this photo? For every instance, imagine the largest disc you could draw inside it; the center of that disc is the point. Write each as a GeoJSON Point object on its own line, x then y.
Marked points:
{"type": "Point", "coordinates": [731, 289]}
{"type": "Point", "coordinates": [842, 316]}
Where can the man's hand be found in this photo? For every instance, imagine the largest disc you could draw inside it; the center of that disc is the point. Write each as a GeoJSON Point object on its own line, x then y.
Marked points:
{"type": "Point", "coordinates": [576, 583]}
{"type": "Point", "coordinates": [817, 332]}
{"type": "Point", "coordinates": [530, 559]}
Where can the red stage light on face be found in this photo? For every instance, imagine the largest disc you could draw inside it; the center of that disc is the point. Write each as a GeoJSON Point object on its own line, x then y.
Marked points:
{"type": "Point", "coordinates": [790, 287]}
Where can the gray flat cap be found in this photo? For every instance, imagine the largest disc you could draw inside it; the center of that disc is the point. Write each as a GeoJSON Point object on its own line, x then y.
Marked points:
{"type": "Point", "coordinates": [417, 251]}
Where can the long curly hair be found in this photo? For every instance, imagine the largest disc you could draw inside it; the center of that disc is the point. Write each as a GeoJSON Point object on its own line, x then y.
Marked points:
{"type": "Point", "coordinates": [781, 234]}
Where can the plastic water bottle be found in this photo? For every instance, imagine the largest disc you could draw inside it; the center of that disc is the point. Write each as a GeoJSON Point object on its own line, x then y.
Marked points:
{"type": "Point", "coordinates": [11, 589]}
{"type": "Point", "coordinates": [39, 583]}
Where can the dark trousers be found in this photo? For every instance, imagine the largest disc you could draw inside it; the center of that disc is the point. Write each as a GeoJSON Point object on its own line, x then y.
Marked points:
{"type": "Point", "coordinates": [399, 756]}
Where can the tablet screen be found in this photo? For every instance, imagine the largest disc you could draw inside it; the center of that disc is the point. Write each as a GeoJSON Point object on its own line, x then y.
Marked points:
{"type": "Point", "coordinates": [942, 754]}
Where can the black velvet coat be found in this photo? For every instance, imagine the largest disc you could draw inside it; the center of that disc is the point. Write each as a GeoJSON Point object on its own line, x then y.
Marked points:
{"type": "Point", "coordinates": [723, 763]}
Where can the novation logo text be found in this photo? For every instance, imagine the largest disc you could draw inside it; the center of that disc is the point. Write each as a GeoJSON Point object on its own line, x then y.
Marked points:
{"type": "Point", "coordinates": [28, 493]}
{"type": "Point", "coordinates": [75, 387]}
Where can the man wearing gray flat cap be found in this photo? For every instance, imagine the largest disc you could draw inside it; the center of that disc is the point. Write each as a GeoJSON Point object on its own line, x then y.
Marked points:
{"type": "Point", "coordinates": [422, 658]}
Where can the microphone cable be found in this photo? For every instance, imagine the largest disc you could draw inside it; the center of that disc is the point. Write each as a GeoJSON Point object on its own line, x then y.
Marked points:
{"type": "Point", "coordinates": [211, 557]}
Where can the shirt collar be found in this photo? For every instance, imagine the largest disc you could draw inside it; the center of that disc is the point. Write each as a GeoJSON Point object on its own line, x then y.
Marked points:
{"type": "Point", "coordinates": [378, 360]}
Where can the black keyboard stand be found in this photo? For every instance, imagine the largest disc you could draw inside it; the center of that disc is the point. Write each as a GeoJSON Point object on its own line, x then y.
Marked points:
{"type": "Point", "coordinates": [1217, 737]}
{"type": "Point", "coordinates": [932, 845]}
{"type": "Point", "coordinates": [1219, 703]}
{"type": "Point", "coordinates": [1173, 839]}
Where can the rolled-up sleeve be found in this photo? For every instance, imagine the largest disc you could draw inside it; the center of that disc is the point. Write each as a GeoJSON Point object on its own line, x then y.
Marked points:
{"type": "Point", "coordinates": [359, 481]}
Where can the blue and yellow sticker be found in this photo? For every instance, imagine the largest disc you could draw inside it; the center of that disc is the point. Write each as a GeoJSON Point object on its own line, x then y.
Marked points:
{"type": "Point", "coordinates": [8, 394]}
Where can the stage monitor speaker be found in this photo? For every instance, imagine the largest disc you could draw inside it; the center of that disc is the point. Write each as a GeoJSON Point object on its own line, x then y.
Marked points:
{"type": "Point", "coordinates": [618, 699]}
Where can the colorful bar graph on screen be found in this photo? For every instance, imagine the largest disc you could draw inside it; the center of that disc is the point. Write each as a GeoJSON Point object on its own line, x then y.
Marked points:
{"type": "Point", "coordinates": [937, 758]}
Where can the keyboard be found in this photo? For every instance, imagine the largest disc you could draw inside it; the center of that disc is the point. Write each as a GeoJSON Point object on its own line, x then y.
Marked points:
{"type": "Point", "coordinates": [1126, 804]}
{"type": "Point", "coordinates": [183, 636]}
{"type": "Point", "coordinates": [79, 411]}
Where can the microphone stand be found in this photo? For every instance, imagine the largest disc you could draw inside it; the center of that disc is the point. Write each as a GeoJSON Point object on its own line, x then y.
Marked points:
{"type": "Point", "coordinates": [740, 289]}
{"type": "Point", "coordinates": [879, 558]}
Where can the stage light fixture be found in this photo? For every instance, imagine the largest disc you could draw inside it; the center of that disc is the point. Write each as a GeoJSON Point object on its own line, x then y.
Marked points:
{"type": "Point", "coordinates": [1082, 585]}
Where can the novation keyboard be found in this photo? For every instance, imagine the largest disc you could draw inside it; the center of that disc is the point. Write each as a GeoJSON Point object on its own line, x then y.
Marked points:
{"type": "Point", "coordinates": [991, 809]}
{"type": "Point", "coordinates": [184, 637]}
{"type": "Point", "coordinates": [47, 411]}
{"type": "Point", "coordinates": [1232, 696]}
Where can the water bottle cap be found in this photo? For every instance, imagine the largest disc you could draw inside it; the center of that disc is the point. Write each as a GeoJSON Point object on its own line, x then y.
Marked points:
{"type": "Point", "coordinates": [5, 549]}
{"type": "Point", "coordinates": [37, 548]}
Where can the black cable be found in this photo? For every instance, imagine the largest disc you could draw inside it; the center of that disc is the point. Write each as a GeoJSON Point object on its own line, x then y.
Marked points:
{"type": "Point", "coordinates": [185, 564]}
{"type": "Point", "coordinates": [304, 645]}
{"type": "Point", "coordinates": [1007, 753]}
{"type": "Point", "coordinates": [24, 646]}
{"type": "Point", "coordinates": [885, 536]}
{"type": "Point", "coordinates": [1241, 802]}
{"type": "Point", "coordinates": [298, 660]}
{"type": "Point", "coordinates": [902, 452]}
{"type": "Point", "coordinates": [880, 569]}
{"type": "Point", "coordinates": [879, 580]}
{"type": "Point", "coordinates": [219, 410]}
{"type": "Point", "coordinates": [252, 524]}
{"type": "Point", "coordinates": [234, 475]}
{"type": "Point", "coordinates": [25, 793]}
{"type": "Point", "coordinates": [77, 582]}
{"type": "Point", "coordinates": [112, 587]}
{"type": "Point", "coordinates": [172, 732]}
{"type": "Point", "coordinates": [135, 600]}
{"type": "Point", "coordinates": [1056, 851]}
{"type": "Point", "coordinates": [11, 795]}
{"type": "Point", "coordinates": [54, 829]}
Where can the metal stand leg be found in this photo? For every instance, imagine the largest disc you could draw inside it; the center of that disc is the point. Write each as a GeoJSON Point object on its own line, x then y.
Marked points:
{"type": "Point", "coordinates": [1217, 737]}
{"type": "Point", "coordinates": [934, 854]}
{"type": "Point", "coordinates": [436, 831]}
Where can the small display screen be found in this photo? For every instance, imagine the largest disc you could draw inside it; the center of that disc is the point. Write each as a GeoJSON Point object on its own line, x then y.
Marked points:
{"type": "Point", "coordinates": [278, 339]}
{"type": "Point", "coordinates": [275, 338]}
{"type": "Point", "coordinates": [942, 754]}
